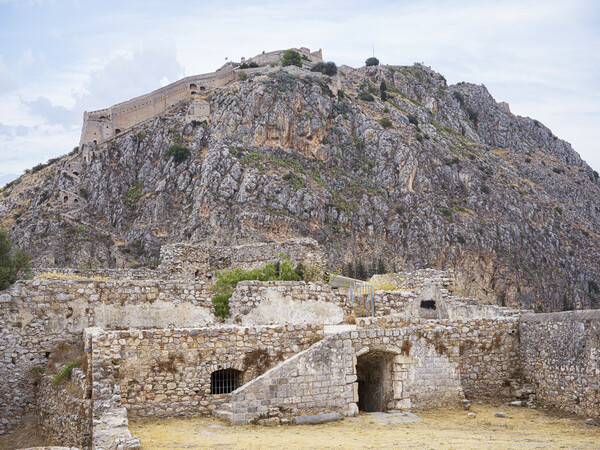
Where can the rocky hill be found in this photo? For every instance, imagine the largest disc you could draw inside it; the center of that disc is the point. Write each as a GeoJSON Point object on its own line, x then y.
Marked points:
{"type": "Point", "coordinates": [435, 176]}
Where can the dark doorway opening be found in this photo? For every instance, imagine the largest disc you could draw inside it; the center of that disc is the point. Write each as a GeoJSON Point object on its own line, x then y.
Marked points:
{"type": "Point", "coordinates": [374, 377]}
{"type": "Point", "coordinates": [117, 131]}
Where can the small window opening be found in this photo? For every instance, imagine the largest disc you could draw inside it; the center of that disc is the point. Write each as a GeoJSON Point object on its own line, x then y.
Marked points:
{"type": "Point", "coordinates": [428, 304]}
{"type": "Point", "coordinates": [75, 200]}
{"type": "Point", "coordinates": [193, 92]}
{"type": "Point", "coordinates": [117, 131]}
{"type": "Point", "coordinates": [196, 274]}
{"type": "Point", "coordinates": [202, 88]}
{"type": "Point", "coordinates": [225, 381]}
{"type": "Point", "coordinates": [65, 199]}
{"type": "Point", "coordinates": [76, 173]}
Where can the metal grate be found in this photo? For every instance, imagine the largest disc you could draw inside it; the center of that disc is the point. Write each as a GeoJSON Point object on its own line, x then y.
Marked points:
{"type": "Point", "coordinates": [363, 300]}
{"type": "Point", "coordinates": [225, 381]}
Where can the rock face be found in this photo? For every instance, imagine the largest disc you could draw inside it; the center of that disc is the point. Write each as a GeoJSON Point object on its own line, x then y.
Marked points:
{"type": "Point", "coordinates": [437, 176]}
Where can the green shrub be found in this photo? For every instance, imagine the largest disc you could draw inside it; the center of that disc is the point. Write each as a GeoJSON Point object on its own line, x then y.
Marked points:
{"type": "Point", "coordinates": [133, 195]}
{"type": "Point", "coordinates": [294, 180]}
{"type": "Point", "coordinates": [65, 373]}
{"type": "Point", "coordinates": [413, 119]}
{"type": "Point", "coordinates": [178, 152]}
{"type": "Point", "coordinates": [282, 271]}
{"type": "Point", "coordinates": [385, 122]}
{"type": "Point", "coordinates": [14, 264]}
{"type": "Point", "coordinates": [250, 65]}
{"type": "Point", "coordinates": [372, 61]}
{"type": "Point", "coordinates": [141, 135]}
{"type": "Point", "coordinates": [460, 97]}
{"type": "Point", "coordinates": [485, 189]}
{"type": "Point", "coordinates": [328, 68]}
{"type": "Point", "coordinates": [363, 95]}
{"type": "Point", "coordinates": [291, 58]}
{"type": "Point", "coordinates": [84, 193]}
{"type": "Point", "coordinates": [473, 115]}
{"type": "Point", "coordinates": [242, 76]}
{"type": "Point", "coordinates": [558, 209]}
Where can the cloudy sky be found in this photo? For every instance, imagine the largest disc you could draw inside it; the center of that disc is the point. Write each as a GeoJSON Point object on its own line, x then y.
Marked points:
{"type": "Point", "coordinates": [59, 58]}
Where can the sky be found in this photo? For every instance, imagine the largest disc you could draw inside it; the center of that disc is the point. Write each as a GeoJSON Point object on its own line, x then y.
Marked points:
{"type": "Point", "coordinates": [60, 58]}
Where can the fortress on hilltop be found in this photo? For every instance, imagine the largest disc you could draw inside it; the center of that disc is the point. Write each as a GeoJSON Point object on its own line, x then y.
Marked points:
{"type": "Point", "coordinates": [100, 125]}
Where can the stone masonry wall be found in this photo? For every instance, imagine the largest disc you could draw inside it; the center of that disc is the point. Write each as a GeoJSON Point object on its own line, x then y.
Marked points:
{"type": "Point", "coordinates": [65, 410]}
{"type": "Point", "coordinates": [430, 368]}
{"type": "Point", "coordinates": [560, 353]}
{"type": "Point", "coordinates": [36, 314]}
{"type": "Point", "coordinates": [196, 260]}
{"type": "Point", "coordinates": [168, 372]}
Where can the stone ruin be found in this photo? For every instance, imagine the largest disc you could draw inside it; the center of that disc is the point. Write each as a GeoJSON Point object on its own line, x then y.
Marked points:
{"type": "Point", "coordinates": [152, 346]}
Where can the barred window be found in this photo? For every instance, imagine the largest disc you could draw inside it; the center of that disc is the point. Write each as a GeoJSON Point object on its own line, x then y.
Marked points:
{"type": "Point", "coordinates": [225, 381]}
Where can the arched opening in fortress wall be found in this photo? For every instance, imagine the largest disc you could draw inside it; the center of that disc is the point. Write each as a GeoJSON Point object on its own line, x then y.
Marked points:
{"type": "Point", "coordinates": [117, 131]}
{"type": "Point", "coordinates": [374, 371]}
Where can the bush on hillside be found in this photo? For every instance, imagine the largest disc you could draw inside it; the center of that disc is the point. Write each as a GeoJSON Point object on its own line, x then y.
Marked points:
{"type": "Point", "coordinates": [178, 152]}
{"type": "Point", "coordinates": [14, 264]}
{"type": "Point", "coordinates": [328, 68]}
{"type": "Point", "coordinates": [291, 58]}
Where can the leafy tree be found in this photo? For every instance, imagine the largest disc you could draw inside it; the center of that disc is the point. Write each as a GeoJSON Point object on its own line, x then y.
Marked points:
{"type": "Point", "coordinates": [372, 61]}
{"type": "Point", "coordinates": [383, 90]}
{"type": "Point", "coordinates": [328, 68]}
{"type": "Point", "coordinates": [178, 152]}
{"type": "Point", "coordinates": [291, 58]}
{"type": "Point", "coordinates": [364, 95]}
{"type": "Point", "coordinates": [14, 264]}
{"type": "Point", "coordinates": [381, 267]}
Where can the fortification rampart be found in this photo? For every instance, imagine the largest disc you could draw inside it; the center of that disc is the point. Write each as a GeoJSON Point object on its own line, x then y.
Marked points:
{"type": "Point", "coordinates": [560, 354]}
{"type": "Point", "coordinates": [103, 124]}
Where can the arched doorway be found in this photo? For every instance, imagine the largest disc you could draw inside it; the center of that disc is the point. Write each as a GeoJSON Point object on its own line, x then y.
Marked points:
{"type": "Point", "coordinates": [374, 372]}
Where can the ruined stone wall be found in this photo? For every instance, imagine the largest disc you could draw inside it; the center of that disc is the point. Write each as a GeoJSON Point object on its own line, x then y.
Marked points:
{"type": "Point", "coordinates": [168, 372]}
{"type": "Point", "coordinates": [111, 274]}
{"type": "Point", "coordinates": [560, 353]}
{"type": "Point", "coordinates": [65, 410]}
{"type": "Point", "coordinates": [193, 261]}
{"type": "Point", "coordinates": [430, 369]}
{"type": "Point", "coordinates": [36, 314]}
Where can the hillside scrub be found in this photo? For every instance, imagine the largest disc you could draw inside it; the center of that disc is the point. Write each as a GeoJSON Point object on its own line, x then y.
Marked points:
{"type": "Point", "coordinates": [14, 264]}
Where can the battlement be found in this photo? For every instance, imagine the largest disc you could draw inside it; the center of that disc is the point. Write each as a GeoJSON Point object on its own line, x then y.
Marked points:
{"type": "Point", "coordinates": [100, 125]}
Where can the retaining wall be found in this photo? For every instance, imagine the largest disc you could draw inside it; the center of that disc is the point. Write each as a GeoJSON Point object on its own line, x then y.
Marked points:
{"type": "Point", "coordinates": [167, 373]}
{"type": "Point", "coordinates": [560, 354]}
{"type": "Point", "coordinates": [37, 314]}
{"type": "Point", "coordinates": [434, 364]}
{"type": "Point", "coordinates": [65, 410]}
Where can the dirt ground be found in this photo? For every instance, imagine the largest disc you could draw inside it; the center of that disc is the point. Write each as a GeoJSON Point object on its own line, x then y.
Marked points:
{"type": "Point", "coordinates": [448, 429]}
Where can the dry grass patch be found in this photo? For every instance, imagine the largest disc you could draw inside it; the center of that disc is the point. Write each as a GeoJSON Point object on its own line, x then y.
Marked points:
{"type": "Point", "coordinates": [444, 428]}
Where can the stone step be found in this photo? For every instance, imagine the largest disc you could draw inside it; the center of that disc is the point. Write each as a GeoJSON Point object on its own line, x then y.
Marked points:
{"type": "Point", "coordinates": [223, 415]}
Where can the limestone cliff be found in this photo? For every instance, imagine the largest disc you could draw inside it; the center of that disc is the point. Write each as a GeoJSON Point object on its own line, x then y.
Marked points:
{"type": "Point", "coordinates": [436, 176]}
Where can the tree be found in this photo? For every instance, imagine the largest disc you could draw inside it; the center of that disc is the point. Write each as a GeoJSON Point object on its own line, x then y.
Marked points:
{"type": "Point", "coordinates": [291, 58]}
{"type": "Point", "coordinates": [372, 61]}
{"type": "Point", "coordinates": [383, 90]}
{"type": "Point", "coordinates": [14, 264]}
{"type": "Point", "coordinates": [328, 68]}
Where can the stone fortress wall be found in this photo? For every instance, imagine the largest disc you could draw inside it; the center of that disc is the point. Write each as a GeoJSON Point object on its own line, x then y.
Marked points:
{"type": "Point", "coordinates": [153, 346]}
{"type": "Point", "coordinates": [100, 125]}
